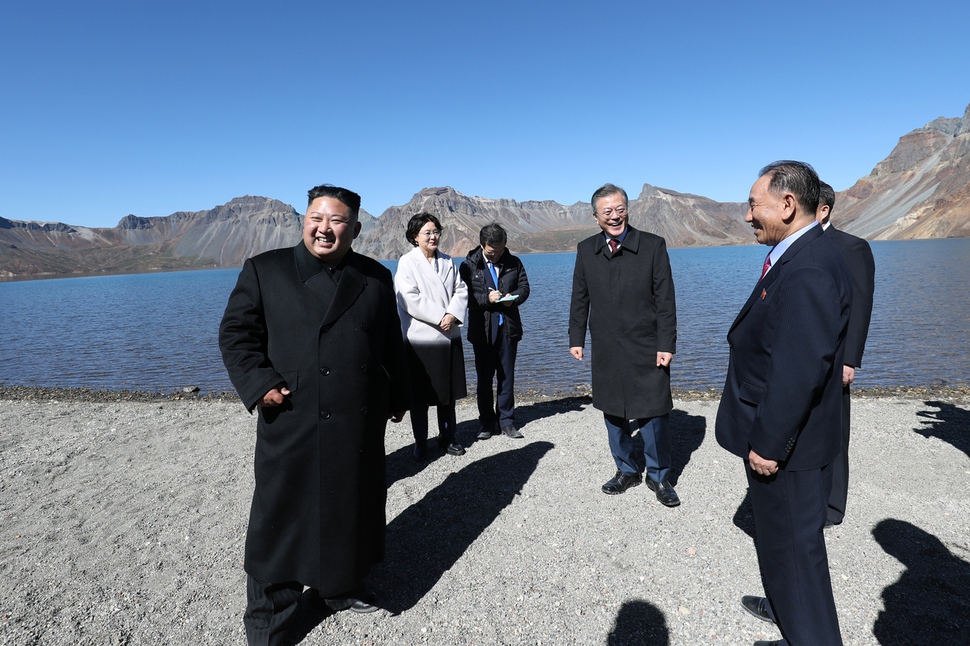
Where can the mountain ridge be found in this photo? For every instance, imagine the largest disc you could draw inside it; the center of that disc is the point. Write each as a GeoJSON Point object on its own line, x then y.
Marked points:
{"type": "Point", "coordinates": [920, 190]}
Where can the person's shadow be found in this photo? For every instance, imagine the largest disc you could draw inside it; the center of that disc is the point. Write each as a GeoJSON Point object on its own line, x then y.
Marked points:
{"type": "Point", "coordinates": [401, 464]}
{"type": "Point", "coordinates": [744, 516]}
{"type": "Point", "coordinates": [540, 410]}
{"type": "Point", "coordinates": [639, 623]}
{"type": "Point", "coordinates": [950, 423]}
{"type": "Point", "coordinates": [686, 436]}
{"type": "Point", "coordinates": [930, 603]}
{"type": "Point", "coordinates": [428, 538]}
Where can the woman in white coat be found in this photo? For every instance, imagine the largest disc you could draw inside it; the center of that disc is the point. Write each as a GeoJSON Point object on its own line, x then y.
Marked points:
{"type": "Point", "coordinates": [431, 299]}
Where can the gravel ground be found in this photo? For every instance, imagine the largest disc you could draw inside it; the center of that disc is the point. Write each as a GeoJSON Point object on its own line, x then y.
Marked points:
{"type": "Point", "coordinates": [122, 521]}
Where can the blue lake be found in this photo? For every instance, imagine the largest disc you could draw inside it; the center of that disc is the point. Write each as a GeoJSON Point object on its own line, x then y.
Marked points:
{"type": "Point", "coordinates": [159, 332]}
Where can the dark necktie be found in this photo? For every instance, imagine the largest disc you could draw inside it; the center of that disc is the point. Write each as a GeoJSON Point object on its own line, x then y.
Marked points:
{"type": "Point", "coordinates": [614, 245]}
{"type": "Point", "coordinates": [765, 267]}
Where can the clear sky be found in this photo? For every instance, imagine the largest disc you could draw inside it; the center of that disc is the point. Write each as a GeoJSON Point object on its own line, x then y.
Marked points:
{"type": "Point", "coordinates": [116, 107]}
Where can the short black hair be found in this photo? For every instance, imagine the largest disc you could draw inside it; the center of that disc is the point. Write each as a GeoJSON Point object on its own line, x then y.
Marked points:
{"type": "Point", "coordinates": [492, 234]}
{"type": "Point", "coordinates": [417, 221]}
{"type": "Point", "coordinates": [348, 197]}
{"type": "Point", "coordinates": [608, 189]}
{"type": "Point", "coordinates": [797, 178]}
{"type": "Point", "coordinates": [826, 195]}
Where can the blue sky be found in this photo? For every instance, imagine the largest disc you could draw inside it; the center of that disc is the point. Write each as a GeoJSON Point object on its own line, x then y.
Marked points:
{"type": "Point", "coordinates": [110, 108]}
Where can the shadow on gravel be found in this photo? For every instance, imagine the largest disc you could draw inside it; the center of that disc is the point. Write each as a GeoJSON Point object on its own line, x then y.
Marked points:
{"type": "Point", "coordinates": [930, 603]}
{"type": "Point", "coordinates": [401, 464]}
{"type": "Point", "coordinates": [950, 423]}
{"type": "Point", "coordinates": [540, 410]}
{"type": "Point", "coordinates": [429, 537]}
{"type": "Point", "coordinates": [639, 623]}
{"type": "Point", "coordinates": [687, 433]}
{"type": "Point", "coordinates": [744, 516]}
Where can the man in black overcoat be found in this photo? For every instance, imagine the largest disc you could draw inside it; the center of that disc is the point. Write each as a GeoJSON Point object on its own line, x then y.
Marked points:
{"type": "Point", "coordinates": [862, 269]}
{"type": "Point", "coordinates": [497, 287]}
{"type": "Point", "coordinates": [623, 288]}
{"type": "Point", "coordinates": [311, 338]}
{"type": "Point", "coordinates": [781, 407]}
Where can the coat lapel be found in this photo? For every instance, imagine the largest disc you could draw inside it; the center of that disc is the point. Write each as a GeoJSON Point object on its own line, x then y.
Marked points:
{"type": "Point", "coordinates": [434, 278]}
{"type": "Point", "coordinates": [764, 285]}
{"type": "Point", "coordinates": [349, 287]}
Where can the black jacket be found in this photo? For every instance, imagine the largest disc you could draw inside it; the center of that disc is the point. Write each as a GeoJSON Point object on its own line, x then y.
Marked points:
{"type": "Point", "coordinates": [512, 279]}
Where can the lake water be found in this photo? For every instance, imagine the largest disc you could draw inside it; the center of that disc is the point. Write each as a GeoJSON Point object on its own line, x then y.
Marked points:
{"type": "Point", "coordinates": [158, 332]}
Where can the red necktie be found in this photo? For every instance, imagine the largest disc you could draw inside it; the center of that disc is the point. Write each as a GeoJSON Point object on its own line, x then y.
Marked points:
{"type": "Point", "coordinates": [767, 265]}
{"type": "Point", "coordinates": [614, 245]}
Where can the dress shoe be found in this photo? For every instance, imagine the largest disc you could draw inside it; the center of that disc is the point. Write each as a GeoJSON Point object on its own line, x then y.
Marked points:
{"type": "Point", "coordinates": [363, 607]}
{"type": "Point", "coordinates": [360, 602]}
{"type": "Point", "coordinates": [512, 432]}
{"type": "Point", "coordinates": [483, 434]}
{"type": "Point", "coordinates": [665, 492]}
{"type": "Point", "coordinates": [759, 607]}
{"type": "Point", "coordinates": [620, 483]}
{"type": "Point", "coordinates": [455, 449]}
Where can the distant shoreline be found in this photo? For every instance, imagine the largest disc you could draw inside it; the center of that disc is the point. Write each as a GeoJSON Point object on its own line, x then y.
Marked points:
{"type": "Point", "coordinates": [956, 394]}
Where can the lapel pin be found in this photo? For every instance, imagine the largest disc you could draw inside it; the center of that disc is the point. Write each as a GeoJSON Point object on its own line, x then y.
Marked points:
{"type": "Point", "coordinates": [764, 292]}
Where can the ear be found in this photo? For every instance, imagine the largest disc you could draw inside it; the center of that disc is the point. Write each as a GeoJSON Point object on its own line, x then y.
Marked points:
{"type": "Point", "coordinates": [822, 215]}
{"type": "Point", "coordinates": [789, 205]}
{"type": "Point", "coordinates": [356, 229]}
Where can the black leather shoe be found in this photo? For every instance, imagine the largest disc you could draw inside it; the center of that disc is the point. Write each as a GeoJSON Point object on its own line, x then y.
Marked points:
{"type": "Point", "coordinates": [483, 434]}
{"type": "Point", "coordinates": [620, 483]}
{"type": "Point", "coordinates": [455, 449]}
{"type": "Point", "coordinates": [759, 607]}
{"type": "Point", "coordinates": [512, 432]}
{"type": "Point", "coordinates": [665, 492]}
{"type": "Point", "coordinates": [362, 607]}
{"type": "Point", "coordinates": [361, 602]}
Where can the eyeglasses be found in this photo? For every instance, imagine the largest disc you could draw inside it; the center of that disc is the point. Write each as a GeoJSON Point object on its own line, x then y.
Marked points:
{"type": "Point", "coordinates": [620, 211]}
{"type": "Point", "coordinates": [434, 233]}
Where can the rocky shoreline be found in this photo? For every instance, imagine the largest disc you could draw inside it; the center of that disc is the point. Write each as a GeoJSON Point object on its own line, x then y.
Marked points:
{"type": "Point", "coordinates": [953, 394]}
{"type": "Point", "coordinates": [123, 518]}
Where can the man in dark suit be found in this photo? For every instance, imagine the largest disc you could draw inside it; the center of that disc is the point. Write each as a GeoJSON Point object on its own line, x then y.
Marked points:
{"type": "Point", "coordinates": [623, 288]}
{"type": "Point", "coordinates": [782, 401]}
{"type": "Point", "coordinates": [497, 287]}
{"type": "Point", "coordinates": [311, 337]}
{"type": "Point", "coordinates": [862, 268]}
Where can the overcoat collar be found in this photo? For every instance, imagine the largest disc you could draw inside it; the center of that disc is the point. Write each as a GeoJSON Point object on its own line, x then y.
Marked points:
{"type": "Point", "coordinates": [427, 269]}
{"type": "Point", "coordinates": [630, 243]}
{"type": "Point", "coordinates": [318, 280]}
{"type": "Point", "coordinates": [776, 270]}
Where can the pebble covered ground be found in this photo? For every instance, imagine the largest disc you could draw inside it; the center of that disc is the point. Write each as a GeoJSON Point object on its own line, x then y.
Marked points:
{"type": "Point", "coordinates": [123, 516]}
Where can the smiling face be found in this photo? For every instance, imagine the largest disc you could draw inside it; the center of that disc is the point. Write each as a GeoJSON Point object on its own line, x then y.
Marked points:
{"type": "Point", "coordinates": [428, 238]}
{"type": "Point", "coordinates": [611, 214]}
{"type": "Point", "coordinates": [769, 214]}
{"type": "Point", "coordinates": [329, 229]}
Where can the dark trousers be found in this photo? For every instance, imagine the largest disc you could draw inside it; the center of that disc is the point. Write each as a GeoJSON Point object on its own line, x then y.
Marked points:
{"type": "Point", "coordinates": [496, 360]}
{"type": "Point", "coordinates": [270, 610]}
{"type": "Point", "coordinates": [840, 468]}
{"type": "Point", "coordinates": [446, 424]}
{"type": "Point", "coordinates": [656, 444]}
{"type": "Point", "coordinates": [789, 514]}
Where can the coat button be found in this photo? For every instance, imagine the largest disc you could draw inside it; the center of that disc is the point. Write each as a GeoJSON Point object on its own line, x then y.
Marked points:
{"type": "Point", "coordinates": [324, 371]}
{"type": "Point", "coordinates": [363, 368]}
{"type": "Point", "coordinates": [363, 411]}
{"type": "Point", "coordinates": [325, 414]}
